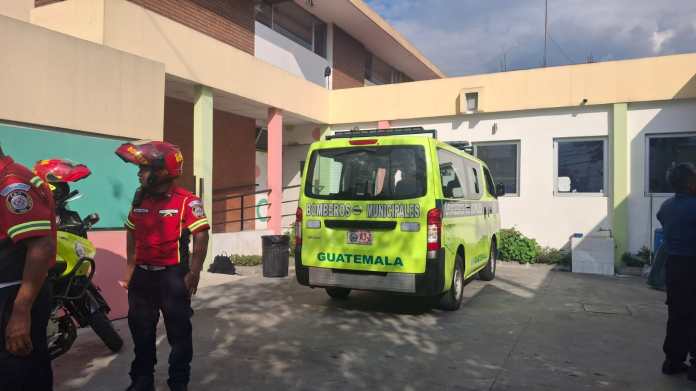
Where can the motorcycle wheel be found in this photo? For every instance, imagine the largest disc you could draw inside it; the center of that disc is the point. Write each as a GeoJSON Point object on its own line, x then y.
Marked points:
{"type": "Point", "coordinates": [105, 330]}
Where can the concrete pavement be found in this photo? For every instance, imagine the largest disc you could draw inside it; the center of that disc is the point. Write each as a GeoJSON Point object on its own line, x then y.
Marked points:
{"type": "Point", "coordinates": [530, 329]}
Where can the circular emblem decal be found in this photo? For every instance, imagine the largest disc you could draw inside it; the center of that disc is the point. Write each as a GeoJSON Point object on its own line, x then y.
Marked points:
{"type": "Point", "coordinates": [354, 237]}
{"type": "Point", "coordinates": [80, 250]}
{"type": "Point", "coordinates": [19, 202]}
{"type": "Point", "coordinates": [357, 210]}
{"type": "Point", "coordinates": [198, 211]}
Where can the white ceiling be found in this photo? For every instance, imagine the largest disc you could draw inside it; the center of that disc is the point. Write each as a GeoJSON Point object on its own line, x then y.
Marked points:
{"type": "Point", "coordinates": [184, 90]}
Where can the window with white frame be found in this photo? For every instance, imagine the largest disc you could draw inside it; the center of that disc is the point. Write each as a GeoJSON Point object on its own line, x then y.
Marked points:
{"type": "Point", "coordinates": [295, 23]}
{"type": "Point", "coordinates": [663, 152]}
{"type": "Point", "coordinates": [503, 162]}
{"type": "Point", "coordinates": [581, 166]}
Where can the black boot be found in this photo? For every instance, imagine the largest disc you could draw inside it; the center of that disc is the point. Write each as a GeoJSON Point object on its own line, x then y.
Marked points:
{"type": "Point", "coordinates": [673, 368]}
{"type": "Point", "coordinates": [142, 384]}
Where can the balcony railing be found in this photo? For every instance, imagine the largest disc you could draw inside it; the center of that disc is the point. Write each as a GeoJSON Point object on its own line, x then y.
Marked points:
{"type": "Point", "coordinates": [242, 216]}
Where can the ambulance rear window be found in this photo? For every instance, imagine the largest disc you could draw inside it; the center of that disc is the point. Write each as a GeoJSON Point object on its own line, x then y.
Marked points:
{"type": "Point", "coordinates": [367, 173]}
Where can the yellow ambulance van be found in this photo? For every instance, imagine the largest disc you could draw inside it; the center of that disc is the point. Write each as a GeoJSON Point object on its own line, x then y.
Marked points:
{"type": "Point", "coordinates": [395, 211]}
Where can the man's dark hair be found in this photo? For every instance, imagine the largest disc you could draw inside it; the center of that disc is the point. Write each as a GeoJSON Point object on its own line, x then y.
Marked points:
{"type": "Point", "coordinates": [680, 175]}
{"type": "Point", "coordinates": [1, 152]}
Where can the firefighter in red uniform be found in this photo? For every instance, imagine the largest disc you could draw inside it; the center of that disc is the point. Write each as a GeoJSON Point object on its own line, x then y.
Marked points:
{"type": "Point", "coordinates": [27, 251]}
{"type": "Point", "coordinates": [162, 275]}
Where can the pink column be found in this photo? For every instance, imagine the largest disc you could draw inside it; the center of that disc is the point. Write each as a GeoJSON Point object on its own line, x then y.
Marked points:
{"type": "Point", "coordinates": [383, 125]}
{"type": "Point", "coordinates": [275, 169]}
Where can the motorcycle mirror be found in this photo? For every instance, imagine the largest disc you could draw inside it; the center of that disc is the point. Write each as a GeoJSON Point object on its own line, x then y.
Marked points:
{"type": "Point", "coordinates": [91, 220]}
{"type": "Point", "coordinates": [74, 195]}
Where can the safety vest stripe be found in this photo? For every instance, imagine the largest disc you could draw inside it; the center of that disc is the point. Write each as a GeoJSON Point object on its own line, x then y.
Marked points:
{"type": "Point", "coordinates": [41, 224]}
{"type": "Point", "coordinates": [30, 229]}
{"type": "Point", "coordinates": [198, 224]}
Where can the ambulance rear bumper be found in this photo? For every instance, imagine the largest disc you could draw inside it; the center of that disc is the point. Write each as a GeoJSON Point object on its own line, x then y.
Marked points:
{"type": "Point", "coordinates": [429, 283]}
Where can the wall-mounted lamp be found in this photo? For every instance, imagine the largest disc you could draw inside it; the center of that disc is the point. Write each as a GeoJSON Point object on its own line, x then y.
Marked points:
{"type": "Point", "coordinates": [584, 102]}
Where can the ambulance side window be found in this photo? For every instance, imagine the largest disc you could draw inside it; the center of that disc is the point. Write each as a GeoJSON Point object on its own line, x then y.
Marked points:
{"type": "Point", "coordinates": [450, 175]}
{"type": "Point", "coordinates": [473, 179]}
{"type": "Point", "coordinates": [490, 185]}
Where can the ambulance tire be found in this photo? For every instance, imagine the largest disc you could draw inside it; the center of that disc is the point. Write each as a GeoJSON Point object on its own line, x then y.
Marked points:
{"type": "Point", "coordinates": [488, 272]}
{"type": "Point", "coordinates": [452, 299]}
{"type": "Point", "coordinates": [338, 293]}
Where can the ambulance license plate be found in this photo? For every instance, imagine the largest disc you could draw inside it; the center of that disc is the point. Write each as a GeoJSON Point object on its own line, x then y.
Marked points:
{"type": "Point", "coordinates": [360, 237]}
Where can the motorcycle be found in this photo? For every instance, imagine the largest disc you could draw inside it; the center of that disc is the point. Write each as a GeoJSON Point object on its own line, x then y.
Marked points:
{"type": "Point", "coordinates": [76, 301]}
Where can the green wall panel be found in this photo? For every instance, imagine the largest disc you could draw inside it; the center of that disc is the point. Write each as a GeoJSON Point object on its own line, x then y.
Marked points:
{"type": "Point", "coordinates": [108, 191]}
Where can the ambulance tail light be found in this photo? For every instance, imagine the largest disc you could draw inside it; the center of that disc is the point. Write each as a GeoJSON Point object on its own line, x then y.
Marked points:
{"type": "Point", "coordinates": [434, 229]}
{"type": "Point", "coordinates": [363, 142]}
{"type": "Point", "coordinates": [298, 227]}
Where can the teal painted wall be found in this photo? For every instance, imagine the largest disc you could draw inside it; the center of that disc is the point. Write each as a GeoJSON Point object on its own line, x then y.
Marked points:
{"type": "Point", "coordinates": [108, 191]}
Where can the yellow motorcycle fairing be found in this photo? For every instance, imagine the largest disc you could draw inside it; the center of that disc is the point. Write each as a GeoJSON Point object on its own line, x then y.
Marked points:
{"type": "Point", "coordinates": [72, 248]}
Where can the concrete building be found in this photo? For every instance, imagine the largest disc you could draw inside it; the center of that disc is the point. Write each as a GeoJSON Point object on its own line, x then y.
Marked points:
{"type": "Point", "coordinates": [244, 86]}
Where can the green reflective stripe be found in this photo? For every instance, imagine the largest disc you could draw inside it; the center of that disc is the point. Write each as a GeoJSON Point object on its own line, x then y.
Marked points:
{"type": "Point", "coordinates": [24, 228]}
{"type": "Point", "coordinates": [198, 224]}
{"type": "Point", "coordinates": [46, 228]}
{"type": "Point", "coordinates": [129, 224]}
{"type": "Point", "coordinates": [43, 224]}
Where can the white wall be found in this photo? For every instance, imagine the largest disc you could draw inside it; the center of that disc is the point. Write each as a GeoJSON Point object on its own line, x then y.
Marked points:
{"type": "Point", "coordinates": [282, 52]}
{"type": "Point", "coordinates": [241, 243]}
{"type": "Point", "coordinates": [646, 119]}
{"type": "Point", "coordinates": [262, 184]}
{"type": "Point", "coordinates": [537, 212]}
{"type": "Point", "coordinates": [292, 156]}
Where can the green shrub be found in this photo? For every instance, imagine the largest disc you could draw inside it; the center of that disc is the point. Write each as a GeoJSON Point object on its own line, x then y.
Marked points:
{"type": "Point", "coordinates": [554, 256]}
{"type": "Point", "coordinates": [631, 260]}
{"type": "Point", "coordinates": [245, 260]}
{"type": "Point", "coordinates": [516, 247]}
{"type": "Point", "coordinates": [644, 254]}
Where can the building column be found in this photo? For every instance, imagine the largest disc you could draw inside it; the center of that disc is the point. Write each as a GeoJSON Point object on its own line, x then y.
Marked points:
{"type": "Point", "coordinates": [203, 152]}
{"type": "Point", "coordinates": [620, 177]}
{"type": "Point", "coordinates": [275, 169]}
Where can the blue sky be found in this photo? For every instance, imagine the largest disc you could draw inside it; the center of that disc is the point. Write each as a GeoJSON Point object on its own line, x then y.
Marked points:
{"type": "Point", "coordinates": [477, 36]}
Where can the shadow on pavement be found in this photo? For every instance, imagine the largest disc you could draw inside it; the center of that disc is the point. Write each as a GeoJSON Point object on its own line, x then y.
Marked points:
{"type": "Point", "coordinates": [526, 330]}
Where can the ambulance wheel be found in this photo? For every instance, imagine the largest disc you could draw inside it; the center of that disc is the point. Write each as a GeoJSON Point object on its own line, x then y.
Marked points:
{"type": "Point", "coordinates": [452, 299]}
{"type": "Point", "coordinates": [488, 272]}
{"type": "Point", "coordinates": [338, 293]}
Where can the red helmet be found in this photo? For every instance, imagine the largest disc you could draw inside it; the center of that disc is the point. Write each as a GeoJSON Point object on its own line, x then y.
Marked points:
{"type": "Point", "coordinates": [60, 170]}
{"type": "Point", "coordinates": [155, 154]}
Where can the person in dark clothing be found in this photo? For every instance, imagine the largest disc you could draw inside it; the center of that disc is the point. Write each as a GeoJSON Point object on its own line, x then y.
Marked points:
{"type": "Point", "coordinates": [678, 218]}
{"type": "Point", "coordinates": [27, 252]}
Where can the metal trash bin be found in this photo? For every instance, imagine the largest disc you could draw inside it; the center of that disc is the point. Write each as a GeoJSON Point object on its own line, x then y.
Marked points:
{"type": "Point", "coordinates": [275, 254]}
